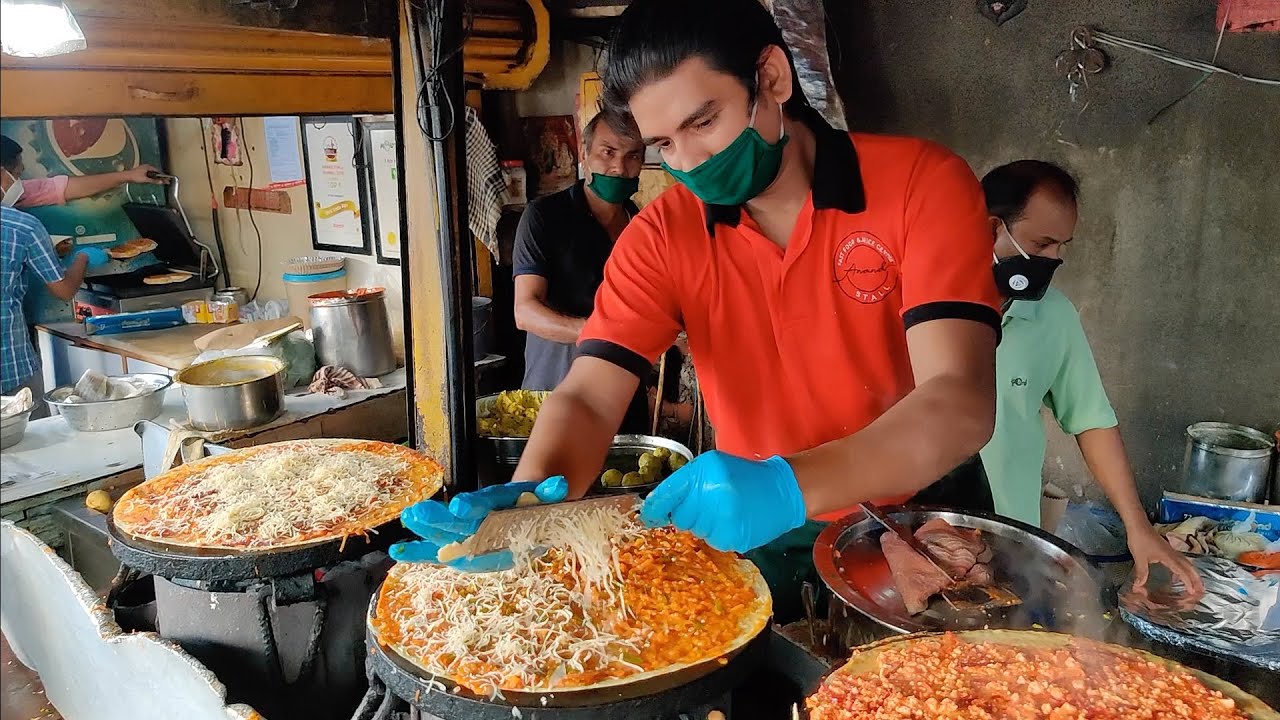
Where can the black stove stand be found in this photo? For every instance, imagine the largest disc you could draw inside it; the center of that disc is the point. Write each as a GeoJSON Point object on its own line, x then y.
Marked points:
{"type": "Point", "coordinates": [748, 687]}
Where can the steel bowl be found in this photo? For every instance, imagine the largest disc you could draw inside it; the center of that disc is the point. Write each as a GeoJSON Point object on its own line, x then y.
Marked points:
{"type": "Point", "coordinates": [13, 427]}
{"type": "Point", "coordinates": [111, 414]}
{"type": "Point", "coordinates": [233, 393]}
{"type": "Point", "coordinates": [624, 455]}
{"type": "Point", "coordinates": [506, 450]}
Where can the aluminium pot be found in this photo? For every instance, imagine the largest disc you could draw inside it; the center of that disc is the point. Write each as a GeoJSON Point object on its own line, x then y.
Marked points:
{"type": "Point", "coordinates": [233, 393]}
{"type": "Point", "coordinates": [1227, 462]}
{"type": "Point", "coordinates": [351, 330]}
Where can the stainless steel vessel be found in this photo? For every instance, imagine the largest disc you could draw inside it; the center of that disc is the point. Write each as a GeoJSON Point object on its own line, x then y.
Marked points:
{"type": "Point", "coordinates": [351, 330]}
{"type": "Point", "coordinates": [1227, 462]}
{"type": "Point", "coordinates": [233, 393]}
{"type": "Point", "coordinates": [237, 295]}
{"type": "Point", "coordinates": [111, 414]}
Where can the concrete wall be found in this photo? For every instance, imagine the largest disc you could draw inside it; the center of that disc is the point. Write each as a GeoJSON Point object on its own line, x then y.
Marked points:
{"type": "Point", "coordinates": [284, 236]}
{"type": "Point", "coordinates": [1176, 263]}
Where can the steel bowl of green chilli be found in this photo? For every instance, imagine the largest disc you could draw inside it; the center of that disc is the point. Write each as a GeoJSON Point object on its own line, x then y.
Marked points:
{"type": "Point", "coordinates": [637, 463]}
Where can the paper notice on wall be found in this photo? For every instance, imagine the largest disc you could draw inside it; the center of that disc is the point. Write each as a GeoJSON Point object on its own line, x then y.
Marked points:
{"type": "Point", "coordinates": [284, 161]}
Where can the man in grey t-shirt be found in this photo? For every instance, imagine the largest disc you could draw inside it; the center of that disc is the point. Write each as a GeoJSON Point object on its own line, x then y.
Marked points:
{"type": "Point", "coordinates": [561, 247]}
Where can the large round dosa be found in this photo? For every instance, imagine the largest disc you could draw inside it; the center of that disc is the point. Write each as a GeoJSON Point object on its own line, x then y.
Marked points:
{"type": "Point", "coordinates": [865, 658]}
{"type": "Point", "coordinates": [751, 624]}
{"type": "Point", "coordinates": [425, 475]}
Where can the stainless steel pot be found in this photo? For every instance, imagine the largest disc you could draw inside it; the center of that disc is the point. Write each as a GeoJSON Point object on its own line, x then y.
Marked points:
{"type": "Point", "coordinates": [1227, 462]}
{"type": "Point", "coordinates": [237, 295]}
{"type": "Point", "coordinates": [351, 330]}
{"type": "Point", "coordinates": [111, 414]}
{"type": "Point", "coordinates": [233, 393]}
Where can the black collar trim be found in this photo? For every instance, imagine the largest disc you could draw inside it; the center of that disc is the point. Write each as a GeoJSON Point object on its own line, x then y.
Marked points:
{"type": "Point", "coordinates": [837, 177]}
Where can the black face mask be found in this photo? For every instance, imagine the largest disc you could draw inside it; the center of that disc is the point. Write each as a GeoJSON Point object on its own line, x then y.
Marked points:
{"type": "Point", "coordinates": [1024, 277]}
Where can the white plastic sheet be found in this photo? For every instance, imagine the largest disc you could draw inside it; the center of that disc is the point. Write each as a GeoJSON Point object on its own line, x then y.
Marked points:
{"type": "Point", "coordinates": [91, 670]}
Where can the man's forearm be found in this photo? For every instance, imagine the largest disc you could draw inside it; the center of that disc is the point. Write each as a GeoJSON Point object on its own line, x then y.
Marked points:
{"type": "Point", "coordinates": [569, 439]}
{"type": "Point", "coordinates": [535, 317]}
{"type": "Point", "coordinates": [82, 186]}
{"type": "Point", "coordinates": [935, 428]}
{"type": "Point", "coordinates": [1104, 453]}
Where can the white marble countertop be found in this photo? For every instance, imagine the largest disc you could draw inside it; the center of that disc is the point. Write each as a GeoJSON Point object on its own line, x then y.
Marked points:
{"type": "Point", "coordinates": [52, 456]}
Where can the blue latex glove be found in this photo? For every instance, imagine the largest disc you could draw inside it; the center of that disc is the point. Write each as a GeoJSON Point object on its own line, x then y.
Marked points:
{"type": "Point", "coordinates": [96, 256]}
{"type": "Point", "coordinates": [439, 525]}
{"type": "Point", "coordinates": [734, 504]}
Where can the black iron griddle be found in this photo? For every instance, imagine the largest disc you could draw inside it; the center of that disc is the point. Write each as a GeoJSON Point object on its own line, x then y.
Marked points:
{"type": "Point", "coordinates": [130, 284]}
{"type": "Point", "coordinates": [213, 565]}
{"type": "Point", "coordinates": [655, 698]}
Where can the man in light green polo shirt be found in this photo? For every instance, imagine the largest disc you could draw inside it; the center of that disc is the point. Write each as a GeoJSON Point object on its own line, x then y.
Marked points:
{"type": "Point", "coordinates": [1044, 360]}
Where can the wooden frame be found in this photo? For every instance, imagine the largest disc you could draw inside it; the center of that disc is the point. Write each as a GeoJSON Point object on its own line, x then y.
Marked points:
{"type": "Point", "coordinates": [347, 124]}
{"type": "Point", "coordinates": [136, 66]}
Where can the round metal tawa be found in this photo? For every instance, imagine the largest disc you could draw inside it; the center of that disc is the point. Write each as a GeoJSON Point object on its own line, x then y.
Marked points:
{"type": "Point", "coordinates": [1054, 580]}
{"type": "Point", "coordinates": [209, 564]}
{"type": "Point", "coordinates": [664, 696]}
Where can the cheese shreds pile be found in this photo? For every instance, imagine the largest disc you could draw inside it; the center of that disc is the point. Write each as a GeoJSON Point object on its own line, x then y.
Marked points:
{"type": "Point", "coordinates": [552, 615]}
{"type": "Point", "coordinates": [275, 496]}
{"type": "Point", "coordinates": [588, 542]}
{"type": "Point", "coordinates": [951, 679]}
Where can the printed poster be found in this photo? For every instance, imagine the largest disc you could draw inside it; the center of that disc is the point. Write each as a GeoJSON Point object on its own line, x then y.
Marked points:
{"type": "Point", "coordinates": [334, 185]}
{"type": "Point", "coordinates": [384, 168]}
{"type": "Point", "coordinates": [284, 162]}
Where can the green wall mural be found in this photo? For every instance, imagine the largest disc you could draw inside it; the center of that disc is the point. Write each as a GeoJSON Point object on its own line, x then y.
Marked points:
{"type": "Point", "coordinates": [86, 146]}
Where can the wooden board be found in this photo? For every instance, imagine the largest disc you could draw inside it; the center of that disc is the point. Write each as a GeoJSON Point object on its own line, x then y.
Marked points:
{"type": "Point", "coordinates": [172, 348]}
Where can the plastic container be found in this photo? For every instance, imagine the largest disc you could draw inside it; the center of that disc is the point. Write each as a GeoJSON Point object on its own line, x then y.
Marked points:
{"type": "Point", "coordinates": [298, 288]}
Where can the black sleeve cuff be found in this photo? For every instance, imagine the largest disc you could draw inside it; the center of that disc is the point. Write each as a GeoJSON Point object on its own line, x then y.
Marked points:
{"type": "Point", "coordinates": [616, 354]}
{"type": "Point", "coordinates": [952, 310]}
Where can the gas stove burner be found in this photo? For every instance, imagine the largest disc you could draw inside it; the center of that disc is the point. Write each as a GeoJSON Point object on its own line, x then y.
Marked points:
{"type": "Point", "coordinates": [176, 562]}
{"type": "Point", "coordinates": [692, 692]}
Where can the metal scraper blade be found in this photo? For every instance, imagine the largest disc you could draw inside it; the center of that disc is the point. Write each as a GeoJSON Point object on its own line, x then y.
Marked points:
{"type": "Point", "coordinates": [497, 527]}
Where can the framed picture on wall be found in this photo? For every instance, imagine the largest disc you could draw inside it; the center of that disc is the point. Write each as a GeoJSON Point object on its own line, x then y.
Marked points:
{"type": "Point", "coordinates": [335, 185]}
{"type": "Point", "coordinates": [383, 170]}
{"type": "Point", "coordinates": [553, 148]}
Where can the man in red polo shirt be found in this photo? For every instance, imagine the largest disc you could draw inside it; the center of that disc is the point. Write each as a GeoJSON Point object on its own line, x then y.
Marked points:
{"type": "Point", "coordinates": [836, 290]}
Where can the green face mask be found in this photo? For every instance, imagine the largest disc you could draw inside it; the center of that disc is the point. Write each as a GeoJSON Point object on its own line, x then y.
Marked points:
{"type": "Point", "coordinates": [613, 189]}
{"type": "Point", "coordinates": [737, 173]}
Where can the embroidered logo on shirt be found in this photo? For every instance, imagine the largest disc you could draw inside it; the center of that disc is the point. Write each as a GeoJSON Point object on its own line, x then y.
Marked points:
{"type": "Point", "coordinates": [865, 269]}
{"type": "Point", "coordinates": [1018, 382]}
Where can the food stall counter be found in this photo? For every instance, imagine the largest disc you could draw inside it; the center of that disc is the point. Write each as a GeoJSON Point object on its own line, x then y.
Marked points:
{"type": "Point", "coordinates": [54, 462]}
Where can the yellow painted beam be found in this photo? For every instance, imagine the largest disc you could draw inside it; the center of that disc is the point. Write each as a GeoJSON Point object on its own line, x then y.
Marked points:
{"type": "Point", "coordinates": [536, 57]}
{"type": "Point", "coordinates": [423, 273]}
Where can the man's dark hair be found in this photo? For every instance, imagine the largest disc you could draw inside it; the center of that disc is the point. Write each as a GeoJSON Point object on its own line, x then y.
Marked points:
{"type": "Point", "coordinates": [1009, 186]}
{"type": "Point", "coordinates": [623, 126]}
{"type": "Point", "coordinates": [652, 37]}
{"type": "Point", "coordinates": [10, 151]}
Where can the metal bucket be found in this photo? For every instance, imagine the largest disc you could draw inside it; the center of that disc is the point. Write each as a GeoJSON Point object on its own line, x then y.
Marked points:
{"type": "Point", "coordinates": [1227, 462]}
{"type": "Point", "coordinates": [351, 330]}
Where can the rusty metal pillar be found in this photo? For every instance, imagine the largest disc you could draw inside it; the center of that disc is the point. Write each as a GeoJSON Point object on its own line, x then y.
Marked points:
{"type": "Point", "coordinates": [437, 256]}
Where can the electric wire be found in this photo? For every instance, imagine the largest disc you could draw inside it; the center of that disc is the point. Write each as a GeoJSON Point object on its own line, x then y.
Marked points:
{"type": "Point", "coordinates": [1168, 56]}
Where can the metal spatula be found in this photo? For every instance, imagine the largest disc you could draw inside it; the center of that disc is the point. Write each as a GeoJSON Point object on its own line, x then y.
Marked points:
{"type": "Point", "coordinates": [497, 527]}
{"type": "Point", "coordinates": [962, 595]}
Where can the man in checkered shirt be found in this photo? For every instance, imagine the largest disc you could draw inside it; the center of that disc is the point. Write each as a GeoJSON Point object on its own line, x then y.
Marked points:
{"type": "Point", "coordinates": [24, 243]}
